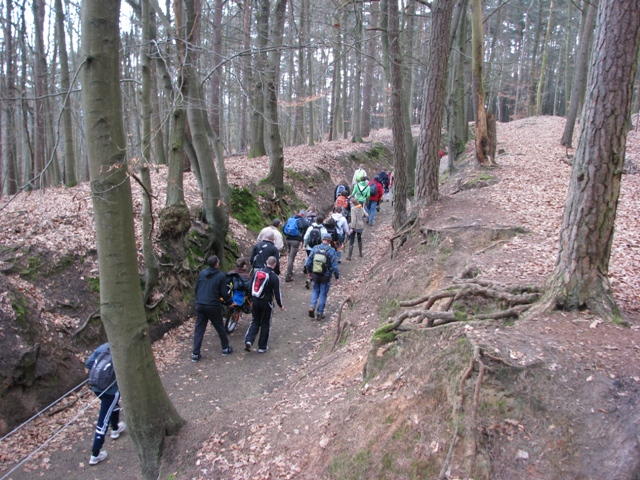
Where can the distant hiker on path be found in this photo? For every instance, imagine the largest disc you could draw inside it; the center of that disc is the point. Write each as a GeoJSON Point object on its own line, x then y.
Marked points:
{"type": "Point", "coordinates": [322, 263]}
{"type": "Point", "coordinates": [294, 231]}
{"type": "Point", "coordinates": [359, 175]}
{"type": "Point", "coordinates": [342, 227]}
{"type": "Point", "coordinates": [102, 379]}
{"type": "Point", "coordinates": [211, 286]}
{"type": "Point", "coordinates": [278, 241]}
{"type": "Point", "coordinates": [343, 186]}
{"type": "Point", "coordinates": [263, 250]}
{"type": "Point", "coordinates": [376, 192]}
{"type": "Point", "coordinates": [361, 191]}
{"type": "Point", "coordinates": [263, 289]}
{"type": "Point", "coordinates": [356, 226]}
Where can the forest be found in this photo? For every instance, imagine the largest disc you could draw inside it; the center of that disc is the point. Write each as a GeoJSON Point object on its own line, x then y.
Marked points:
{"type": "Point", "coordinates": [111, 92]}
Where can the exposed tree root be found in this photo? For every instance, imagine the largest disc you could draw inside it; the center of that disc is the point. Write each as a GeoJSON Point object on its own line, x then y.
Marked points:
{"type": "Point", "coordinates": [340, 330]}
{"type": "Point", "coordinates": [92, 315]}
{"type": "Point", "coordinates": [403, 231]}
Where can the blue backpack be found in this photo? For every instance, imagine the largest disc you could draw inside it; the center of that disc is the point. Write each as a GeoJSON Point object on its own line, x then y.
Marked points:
{"type": "Point", "coordinates": [291, 227]}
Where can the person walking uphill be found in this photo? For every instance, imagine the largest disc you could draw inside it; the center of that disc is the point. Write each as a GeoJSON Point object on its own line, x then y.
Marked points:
{"type": "Point", "coordinates": [356, 226]}
{"type": "Point", "coordinates": [265, 286]}
{"type": "Point", "coordinates": [102, 379]}
{"type": "Point", "coordinates": [263, 250]}
{"type": "Point", "coordinates": [294, 231]}
{"type": "Point", "coordinates": [322, 262]}
{"type": "Point", "coordinates": [211, 286]}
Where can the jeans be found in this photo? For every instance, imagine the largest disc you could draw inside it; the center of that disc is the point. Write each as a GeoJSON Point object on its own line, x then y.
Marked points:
{"type": "Point", "coordinates": [372, 206]}
{"type": "Point", "coordinates": [204, 314]}
{"type": "Point", "coordinates": [352, 237]}
{"type": "Point", "coordinates": [260, 322]}
{"type": "Point", "coordinates": [292, 248]}
{"type": "Point", "coordinates": [109, 414]}
{"type": "Point", "coordinates": [319, 295]}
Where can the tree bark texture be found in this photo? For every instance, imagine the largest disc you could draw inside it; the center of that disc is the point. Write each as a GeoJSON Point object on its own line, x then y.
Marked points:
{"type": "Point", "coordinates": [150, 413]}
{"type": "Point", "coordinates": [580, 75]}
{"type": "Point", "coordinates": [428, 165]}
{"type": "Point", "coordinates": [369, 64]}
{"type": "Point", "coordinates": [543, 66]}
{"type": "Point", "coordinates": [8, 135]}
{"type": "Point", "coordinates": [257, 146]}
{"type": "Point", "coordinates": [400, 188]}
{"type": "Point", "coordinates": [580, 279]}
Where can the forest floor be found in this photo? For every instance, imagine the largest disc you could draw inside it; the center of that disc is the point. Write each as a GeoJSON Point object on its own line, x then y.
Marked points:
{"type": "Point", "coordinates": [561, 396]}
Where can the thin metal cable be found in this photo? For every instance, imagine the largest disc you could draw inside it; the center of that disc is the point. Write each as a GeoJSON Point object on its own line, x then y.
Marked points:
{"type": "Point", "coordinates": [43, 410]}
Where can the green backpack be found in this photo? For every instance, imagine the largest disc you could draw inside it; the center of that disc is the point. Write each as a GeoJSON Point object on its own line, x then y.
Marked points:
{"type": "Point", "coordinates": [320, 260]}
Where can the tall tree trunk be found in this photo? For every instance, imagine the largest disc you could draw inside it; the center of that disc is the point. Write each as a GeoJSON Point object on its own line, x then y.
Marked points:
{"type": "Point", "coordinates": [69, 149]}
{"type": "Point", "coordinates": [369, 65]}
{"type": "Point", "coordinates": [407, 90]}
{"type": "Point", "coordinates": [257, 148]}
{"type": "Point", "coordinates": [456, 114]}
{"type": "Point", "coordinates": [334, 114]}
{"type": "Point", "coordinates": [543, 66]}
{"type": "Point", "coordinates": [217, 72]}
{"type": "Point", "coordinates": [483, 142]}
{"type": "Point", "coordinates": [580, 279]}
{"type": "Point", "coordinates": [400, 189]}
{"type": "Point", "coordinates": [310, 92]}
{"type": "Point", "coordinates": [534, 65]}
{"type": "Point", "coordinates": [215, 210]}
{"type": "Point", "coordinates": [580, 74]}
{"type": "Point", "coordinates": [150, 413]}
{"type": "Point", "coordinates": [246, 74]}
{"type": "Point", "coordinates": [274, 141]}
{"type": "Point", "coordinates": [152, 270]}
{"type": "Point", "coordinates": [357, 92]}
{"type": "Point", "coordinates": [428, 169]}
{"type": "Point", "coordinates": [7, 136]}
{"type": "Point", "coordinates": [40, 74]}
{"type": "Point", "coordinates": [386, 64]}
{"type": "Point", "coordinates": [298, 130]}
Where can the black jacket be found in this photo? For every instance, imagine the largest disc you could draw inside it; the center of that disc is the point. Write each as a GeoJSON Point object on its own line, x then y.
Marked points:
{"type": "Point", "coordinates": [211, 286]}
{"type": "Point", "coordinates": [261, 252]}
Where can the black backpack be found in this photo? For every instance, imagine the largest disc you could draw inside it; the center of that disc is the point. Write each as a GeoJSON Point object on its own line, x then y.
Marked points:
{"type": "Point", "coordinates": [332, 229]}
{"type": "Point", "coordinates": [315, 237]}
{"type": "Point", "coordinates": [102, 374]}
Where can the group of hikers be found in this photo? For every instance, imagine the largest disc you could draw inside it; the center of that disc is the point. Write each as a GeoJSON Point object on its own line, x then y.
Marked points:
{"type": "Point", "coordinates": [323, 237]}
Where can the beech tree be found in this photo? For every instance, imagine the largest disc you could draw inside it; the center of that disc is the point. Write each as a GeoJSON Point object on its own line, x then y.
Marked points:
{"type": "Point", "coordinates": [150, 413]}
{"type": "Point", "coordinates": [580, 277]}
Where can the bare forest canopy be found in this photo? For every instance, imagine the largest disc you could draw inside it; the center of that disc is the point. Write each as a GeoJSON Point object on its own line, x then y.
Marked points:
{"type": "Point", "coordinates": [331, 74]}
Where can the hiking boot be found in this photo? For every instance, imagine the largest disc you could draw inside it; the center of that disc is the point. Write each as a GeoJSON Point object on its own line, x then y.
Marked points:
{"type": "Point", "coordinates": [360, 249]}
{"type": "Point", "coordinates": [262, 350]}
{"type": "Point", "coordinates": [350, 252]}
{"type": "Point", "coordinates": [116, 433]}
{"type": "Point", "coordinates": [227, 351]}
{"type": "Point", "coordinates": [320, 316]}
{"type": "Point", "coordinates": [288, 279]}
{"type": "Point", "coordinates": [195, 358]}
{"type": "Point", "coordinates": [96, 460]}
{"type": "Point", "coordinates": [247, 347]}
{"type": "Point", "coordinates": [306, 284]}
{"type": "Point", "coordinates": [312, 312]}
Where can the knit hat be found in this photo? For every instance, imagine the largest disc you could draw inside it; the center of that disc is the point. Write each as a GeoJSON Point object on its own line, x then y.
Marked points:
{"type": "Point", "coordinates": [326, 236]}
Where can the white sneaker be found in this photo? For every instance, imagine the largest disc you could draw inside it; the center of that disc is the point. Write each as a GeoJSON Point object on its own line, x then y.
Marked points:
{"type": "Point", "coordinates": [96, 460]}
{"type": "Point", "coordinates": [116, 433]}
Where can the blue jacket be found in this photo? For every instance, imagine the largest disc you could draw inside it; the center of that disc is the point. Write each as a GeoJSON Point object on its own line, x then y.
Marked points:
{"type": "Point", "coordinates": [89, 363]}
{"type": "Point", "coordinates": [332, 263]}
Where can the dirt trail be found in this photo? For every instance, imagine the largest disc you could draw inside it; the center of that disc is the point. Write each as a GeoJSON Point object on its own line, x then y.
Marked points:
{"type": "Point", "coordinates": [217, 391]}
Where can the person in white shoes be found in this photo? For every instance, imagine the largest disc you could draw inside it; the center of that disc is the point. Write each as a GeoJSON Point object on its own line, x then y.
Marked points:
{"type": "Point", "coordinates": [102, 379]}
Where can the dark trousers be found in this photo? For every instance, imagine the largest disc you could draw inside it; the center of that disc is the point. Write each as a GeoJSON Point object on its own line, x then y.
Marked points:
{"type": "Point", "coordinates": [109, 415]}
{"type": "Point", "coordinates": [203, 315]}
{"type": "Point", "coordinates": [261, 322]}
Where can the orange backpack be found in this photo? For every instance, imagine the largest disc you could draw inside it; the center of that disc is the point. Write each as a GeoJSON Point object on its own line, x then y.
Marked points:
{"type": "Point", "coordinates": [341, 202]}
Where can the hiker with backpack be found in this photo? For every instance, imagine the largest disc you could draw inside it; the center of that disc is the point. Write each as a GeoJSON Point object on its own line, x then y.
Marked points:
{"type": "Point", "coordinates": [376, 191]}
{"type": "Point", "coordinates": [359, 175]}
{"type": "Point", "coordinates": [240, 280]}
{"type": "Point", "coordinates": [278, 241]}
{"type": "Point", "coordinates": [211, 288]}
{"type": "Point", "coordinates": [265, 285]}
{"type": "Point", "coordinates": [342, 229]}
{"type": "Point", "coordinates": [384, 180]}
{"type": "Point", "coordinates": [102, 380]}
{"type": "Point", "coordinates": [361, 191]}
{"type": "Point", "coordinates": [322, 263]}
{"type": "Point", "coordinates": [343, 186]}
{"type": "Point", "coordinates": [356, 226]}
{"type": "Point", "coordinates": [294, 231]}
{"type": "Point", "coordinates": [263, 250]}
{"type": "Point", "coordinates": [342, 202]}
{"type": "Point", "coordinates": [313, 237]}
